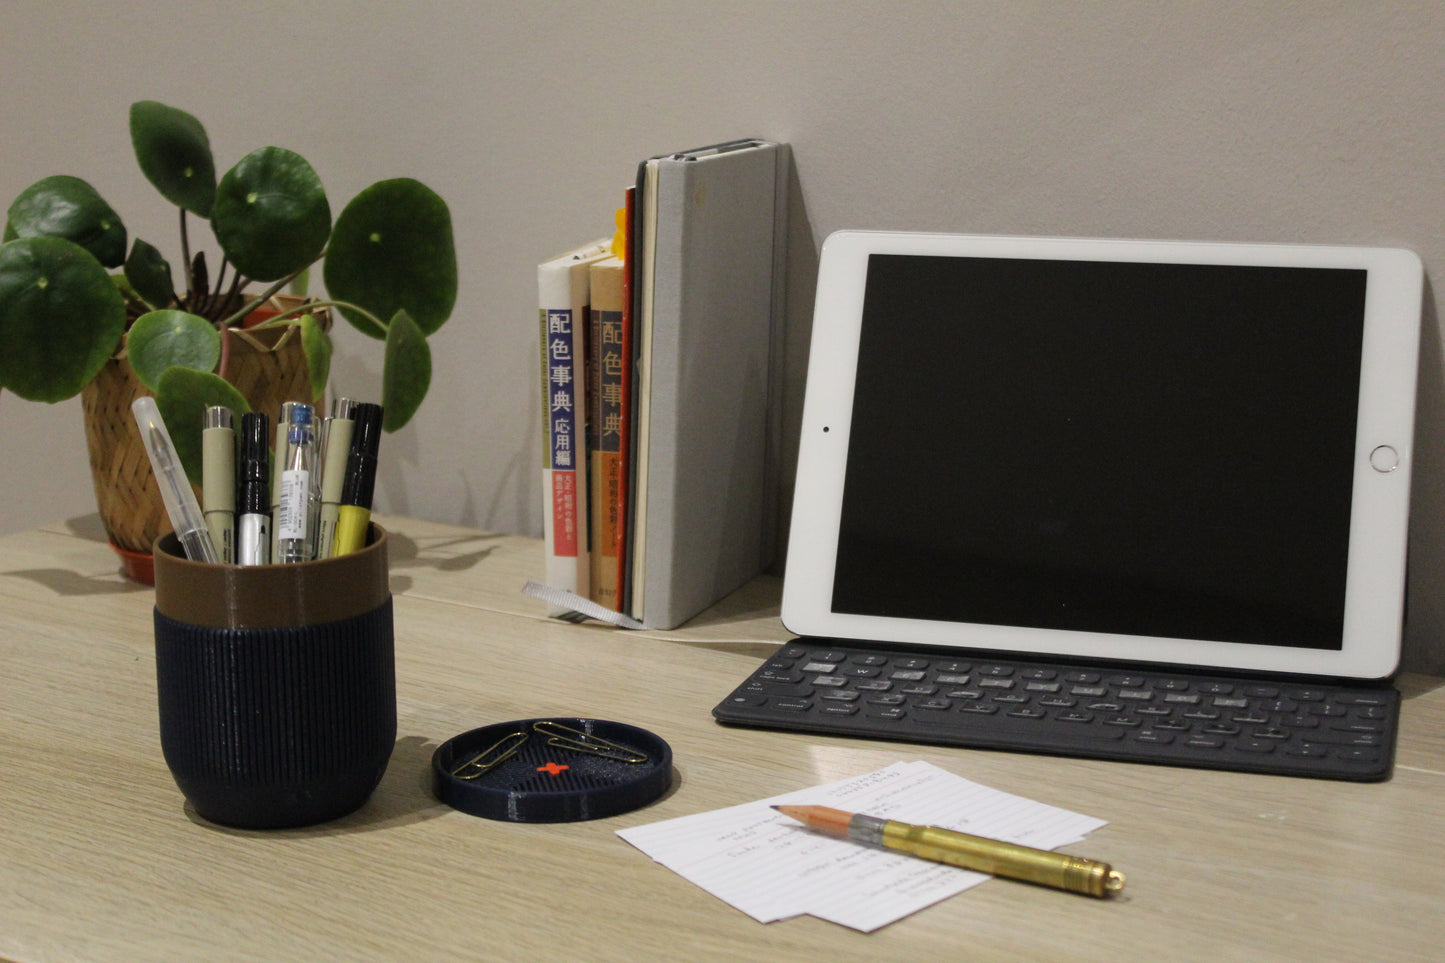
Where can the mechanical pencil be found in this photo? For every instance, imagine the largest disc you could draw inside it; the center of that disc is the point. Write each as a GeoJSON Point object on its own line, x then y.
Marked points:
{"type": "Point", "coordinates": [978, 853]}
{"type": "Point", "coordinates": [253, 528]}
{"type": "Point", "coordinates": [335, 446]}
{"type": "Point", "coordinates": [359, 482]}
{"type": "Point", "coordinates": [176, 492]}
{"type": "Point", "coordinates": [218, 480]}
{"type": "Point", "coordinates": [299, 500]}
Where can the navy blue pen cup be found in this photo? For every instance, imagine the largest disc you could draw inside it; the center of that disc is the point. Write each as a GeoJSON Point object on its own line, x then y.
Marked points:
{"type": "Point", "coordinates": [276, 683]}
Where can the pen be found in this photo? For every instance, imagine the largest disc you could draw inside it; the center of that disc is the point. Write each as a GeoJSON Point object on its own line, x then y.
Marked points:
{"type": "Point", "coordinates": [180, 500]}
{"type": "Point", "coordinates": [278, 453]}
{"type": "Point", "coordinates": [253, 528]}
{"type": "Point", "coordinates": [296, 466]}
{"type": "Point", "coordinates": [1041, 866]}
{"type": "Point", "coordinates": [218, 480]}
{"type": "Point", "coordinates": [335, 445]}
{"type": "Point", "coordinates": [359, 482]}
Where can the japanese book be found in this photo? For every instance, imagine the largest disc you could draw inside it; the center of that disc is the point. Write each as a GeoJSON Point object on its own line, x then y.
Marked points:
{"type": "Point", "coordinates": [562, 296]}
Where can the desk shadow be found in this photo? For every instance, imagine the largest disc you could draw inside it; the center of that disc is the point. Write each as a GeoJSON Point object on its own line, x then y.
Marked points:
{"type": "Point", "coordinates": [760, 598]}
{"type": "Point", "coordinates": [1414, 686]}
{"type": "Point", "coordinates": [404, 796]}
{"type": "Point", "coordinates": [65, 582]}
{"type": "Point", "coordinates": [88, 527]}
{"type": "Point", "coordinates": [408, 552]}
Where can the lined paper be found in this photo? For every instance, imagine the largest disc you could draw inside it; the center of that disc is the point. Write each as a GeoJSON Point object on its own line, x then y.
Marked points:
{"type": "Point", "coordinates": [773, 868]}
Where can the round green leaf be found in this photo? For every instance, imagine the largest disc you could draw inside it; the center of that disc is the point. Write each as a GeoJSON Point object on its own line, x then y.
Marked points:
{"type": "Point", "coordinates": [162, 340]}
{"type": "Point", "coordinates": [61, 318]}
{"type": "Point", "coordinates": [316, 345]}
{"type": "Point", "coordinates": [183, 396]}
{"type": "Point", "coordinates": [271, 216]}
{"type": "Point", "coordinates": [174, 154]}
{"type": "Point", "coordinates": [405, 371]}
{"type": "Point", "coordinates": [392, 250]}
{"type": "Point", "coordinates": [149, 275]}
{"type": "Point", "coordinates": [68, 207]}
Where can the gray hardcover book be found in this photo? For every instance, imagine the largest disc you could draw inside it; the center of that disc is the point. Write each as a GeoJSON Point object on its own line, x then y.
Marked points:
{"type": "Point", "coordinates": [708, 472]}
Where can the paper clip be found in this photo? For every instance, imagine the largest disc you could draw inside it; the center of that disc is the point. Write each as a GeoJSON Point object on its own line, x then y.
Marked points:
{"type": "Point", "coordinates": [489, 758]}
{"type": "Point", "coordinates": [564, 737]}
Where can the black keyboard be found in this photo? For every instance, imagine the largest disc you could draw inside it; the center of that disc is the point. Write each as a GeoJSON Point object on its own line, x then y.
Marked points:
{"type": "Point", "coordinates": [1331, 731]}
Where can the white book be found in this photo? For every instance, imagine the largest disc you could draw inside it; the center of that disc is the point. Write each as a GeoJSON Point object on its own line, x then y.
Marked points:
{"type": "Point", "coordinates": [562, 297]}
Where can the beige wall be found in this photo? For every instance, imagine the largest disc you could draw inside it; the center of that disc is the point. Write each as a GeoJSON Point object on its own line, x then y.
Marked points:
{"type": "Point", "coordinates": [1273, 121]}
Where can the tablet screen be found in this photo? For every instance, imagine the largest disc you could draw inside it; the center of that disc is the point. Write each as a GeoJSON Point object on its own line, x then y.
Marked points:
{"type": "Point", "coordinates": [1097, 449]}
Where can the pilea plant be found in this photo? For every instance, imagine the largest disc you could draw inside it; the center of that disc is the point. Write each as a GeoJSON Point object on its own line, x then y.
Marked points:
{"type": "Point", "coordinates": [388, 262]}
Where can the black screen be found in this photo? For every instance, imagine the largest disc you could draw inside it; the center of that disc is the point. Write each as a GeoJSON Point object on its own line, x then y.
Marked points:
{"type": "Point", "coordinates": [1132, 448]}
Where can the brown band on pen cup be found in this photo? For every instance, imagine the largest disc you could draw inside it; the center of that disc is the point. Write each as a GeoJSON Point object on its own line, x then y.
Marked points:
{"type": "Point", "coordinates": [271, 596]}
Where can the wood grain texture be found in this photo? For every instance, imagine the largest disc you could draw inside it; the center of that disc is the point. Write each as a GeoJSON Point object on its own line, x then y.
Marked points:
{"type": "Point", "coordinates": [100, 857]}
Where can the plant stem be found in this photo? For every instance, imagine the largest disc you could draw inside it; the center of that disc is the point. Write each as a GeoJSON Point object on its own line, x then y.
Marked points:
{"type": "Point", "coordinates": [225, 351]}
{"type": "Point", "coordinates": [308, 306]}
{"type": "Point", "coordinates": [213, 296]}
{"type": "Point", "coordinates": [186, 258]}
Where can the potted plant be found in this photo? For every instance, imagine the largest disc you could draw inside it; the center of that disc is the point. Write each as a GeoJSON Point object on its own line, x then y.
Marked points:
{"type": "Point", "coordinates": [388, 262]}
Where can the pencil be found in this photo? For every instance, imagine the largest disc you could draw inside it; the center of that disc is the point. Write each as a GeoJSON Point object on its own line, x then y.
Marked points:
{"type": "Point", "coordinates": [978, 853]}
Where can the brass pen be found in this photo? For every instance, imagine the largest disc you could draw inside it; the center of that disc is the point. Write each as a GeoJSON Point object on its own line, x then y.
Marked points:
{"type": "Point", "coordinates": [978, 853]}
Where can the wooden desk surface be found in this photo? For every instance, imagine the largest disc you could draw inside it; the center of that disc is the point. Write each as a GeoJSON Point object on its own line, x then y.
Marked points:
{"type": "Point", "coordinates": [101, 859]}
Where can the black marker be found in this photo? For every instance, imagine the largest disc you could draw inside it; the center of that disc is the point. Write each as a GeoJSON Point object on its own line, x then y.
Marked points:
{"type": "Point", "coordinates": [253, 491]}
{"type": "Point", "coordinates": [360, 481]}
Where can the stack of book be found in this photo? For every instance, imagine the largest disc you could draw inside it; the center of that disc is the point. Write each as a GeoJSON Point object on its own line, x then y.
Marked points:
{"type": "Point", "coordinates": [660, 373]}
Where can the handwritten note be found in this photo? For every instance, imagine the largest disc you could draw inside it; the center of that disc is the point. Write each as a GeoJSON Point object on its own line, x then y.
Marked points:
{"type": "Point", "coordinates": [772, 868]}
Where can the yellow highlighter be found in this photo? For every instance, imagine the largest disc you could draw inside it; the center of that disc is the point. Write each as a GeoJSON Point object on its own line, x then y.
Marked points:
{"type": "Point", "coordinates": [355, 513]}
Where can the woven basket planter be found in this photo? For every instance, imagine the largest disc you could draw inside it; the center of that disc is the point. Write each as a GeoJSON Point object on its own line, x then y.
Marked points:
{"type": "Point", "coordinates": [266, 365]}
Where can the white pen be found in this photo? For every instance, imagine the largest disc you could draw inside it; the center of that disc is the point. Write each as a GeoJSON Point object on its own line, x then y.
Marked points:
{"type": "Point", "coordinates": [335, 445]}
{"type": "Point", "coordinates": [218, 480]}
{"type": "Point", "coordinates": [180, 500]}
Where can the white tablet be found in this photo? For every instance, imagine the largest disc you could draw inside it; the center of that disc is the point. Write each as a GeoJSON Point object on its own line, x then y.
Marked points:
{"type": "Point", "coordinates": [1154, 452]}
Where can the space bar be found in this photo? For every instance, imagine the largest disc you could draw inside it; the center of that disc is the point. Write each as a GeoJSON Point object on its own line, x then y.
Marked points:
{"type": "Point", "coordinates": [1035, 732]}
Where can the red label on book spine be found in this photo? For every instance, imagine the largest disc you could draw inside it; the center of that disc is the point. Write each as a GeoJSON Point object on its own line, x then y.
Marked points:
{"type": "Point", "coordinates": [564, 513]}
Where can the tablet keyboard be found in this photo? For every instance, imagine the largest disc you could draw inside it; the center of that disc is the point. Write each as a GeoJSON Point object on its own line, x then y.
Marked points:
{"type": "Point", "coordinates": [1132, 715]}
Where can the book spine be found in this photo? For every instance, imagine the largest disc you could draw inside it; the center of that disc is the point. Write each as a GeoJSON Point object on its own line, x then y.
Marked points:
{"type": "Point", "coordinates": [562, 293]}
{"type": "Point", "coordinates": [605, 411]}
{"type": "Point", "coordinates": [624, 438]}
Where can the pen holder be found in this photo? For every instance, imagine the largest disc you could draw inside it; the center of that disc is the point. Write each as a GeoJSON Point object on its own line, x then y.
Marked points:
{"type": "Point", "coordinates": [276, 683]}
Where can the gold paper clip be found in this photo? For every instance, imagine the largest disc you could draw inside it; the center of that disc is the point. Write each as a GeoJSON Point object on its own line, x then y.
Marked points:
{"type": "Point", "coordinates": [491, 757]}
{"type": "Point", "coordinates": [564, 737]}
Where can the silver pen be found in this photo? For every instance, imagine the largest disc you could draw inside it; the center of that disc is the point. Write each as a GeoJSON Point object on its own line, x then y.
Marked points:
{"type": "Point", "coordinates": [299, 498]}
{"type": "Point", "coordinates": [180, 500]}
